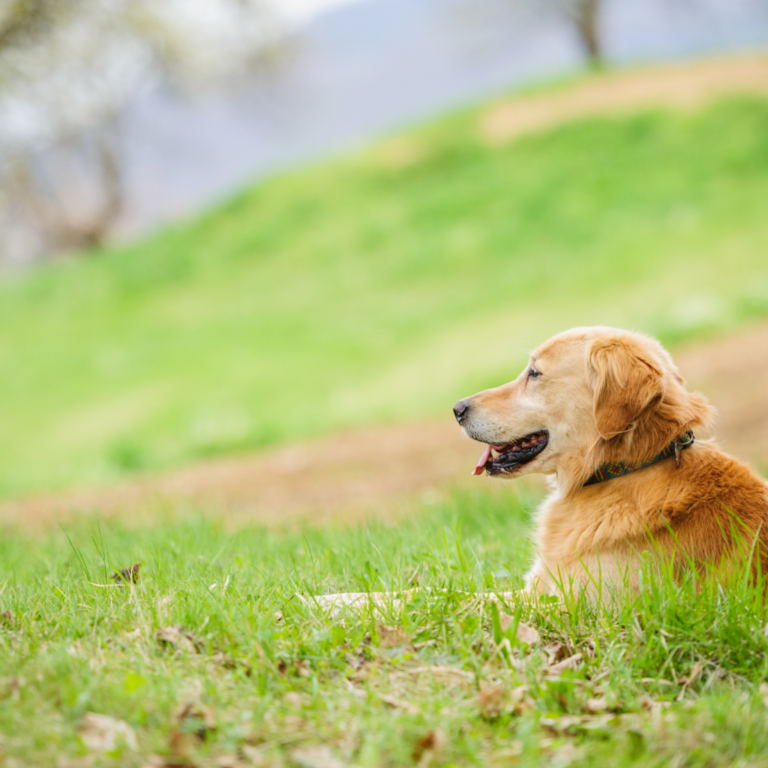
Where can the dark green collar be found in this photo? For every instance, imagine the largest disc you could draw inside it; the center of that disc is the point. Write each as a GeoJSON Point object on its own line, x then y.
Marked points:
{"type": "Point", "coordinates": [619, 468]}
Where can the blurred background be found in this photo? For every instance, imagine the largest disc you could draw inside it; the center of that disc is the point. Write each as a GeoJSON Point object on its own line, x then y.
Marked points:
{"type": "Point", "coordinates": [251, 251]}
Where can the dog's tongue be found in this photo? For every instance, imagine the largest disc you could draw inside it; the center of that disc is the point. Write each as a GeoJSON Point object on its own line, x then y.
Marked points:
{"type": "Point", "coordinates": [480, 468]}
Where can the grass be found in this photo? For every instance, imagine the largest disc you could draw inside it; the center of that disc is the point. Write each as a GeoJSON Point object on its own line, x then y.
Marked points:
{"type": "Point", "coordinates": [366, 290]}
{"type": "Point", "coordinates": [361, 291]}
{"type": "Point", "coordinates": [211, 659]}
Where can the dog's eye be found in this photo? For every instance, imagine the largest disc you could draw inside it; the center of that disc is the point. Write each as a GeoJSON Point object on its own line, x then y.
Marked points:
{"type": "Point", "coordinates": [533, 373]}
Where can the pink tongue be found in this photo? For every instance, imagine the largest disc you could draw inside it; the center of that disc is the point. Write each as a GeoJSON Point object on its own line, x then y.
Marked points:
{"type": "Point", "coordinates": [480, 468]}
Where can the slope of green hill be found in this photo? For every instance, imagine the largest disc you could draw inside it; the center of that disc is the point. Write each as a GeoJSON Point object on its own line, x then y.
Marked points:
{"type": "Point", "coordinates": [380, 287]}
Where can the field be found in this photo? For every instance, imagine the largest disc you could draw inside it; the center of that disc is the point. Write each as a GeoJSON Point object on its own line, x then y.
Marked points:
{"type": "Point", "coordinates": [380, 288]}
{"type": "Point", "coordinates": [212, 658]}
{"type": "Point", "coordinates": [372, 292]}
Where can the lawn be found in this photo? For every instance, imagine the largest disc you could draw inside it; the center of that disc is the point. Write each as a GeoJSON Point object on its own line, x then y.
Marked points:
{"type": "Point", "coordinates": [379, 287]}
{"type": "Point", "coordinates": [212, 658]}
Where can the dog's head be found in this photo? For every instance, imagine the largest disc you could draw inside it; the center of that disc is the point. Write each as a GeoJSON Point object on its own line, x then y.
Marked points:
{"type": "Point", "coordinates": [586, 397]}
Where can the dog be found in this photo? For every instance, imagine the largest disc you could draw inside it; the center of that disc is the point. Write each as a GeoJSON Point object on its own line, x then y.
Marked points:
{"type": "Point", "coordinates": [606, 415]}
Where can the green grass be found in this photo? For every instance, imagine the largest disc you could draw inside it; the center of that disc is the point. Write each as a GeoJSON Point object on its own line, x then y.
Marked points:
{"type": "Point", "coordinates": [252, 676]}
{"type": "Point", "coordinates": [355, 292]}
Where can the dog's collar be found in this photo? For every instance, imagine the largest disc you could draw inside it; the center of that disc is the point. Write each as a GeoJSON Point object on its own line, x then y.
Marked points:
{"type": "Point", "coordinates": [619, 468]}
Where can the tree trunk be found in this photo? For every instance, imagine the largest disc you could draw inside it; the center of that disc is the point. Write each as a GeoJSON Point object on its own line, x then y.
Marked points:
{"type": "Point", "coordinates": [73, 197]}
{"type": "Point", "coordinates": [586, 17]}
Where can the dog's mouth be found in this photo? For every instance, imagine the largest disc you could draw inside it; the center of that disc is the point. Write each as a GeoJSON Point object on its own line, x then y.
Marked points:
{"type": "Point", "coordinates": [510, 457]}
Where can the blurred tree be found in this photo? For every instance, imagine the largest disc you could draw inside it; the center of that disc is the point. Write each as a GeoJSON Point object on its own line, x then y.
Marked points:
{"type": "Point", "coordinates": [584, 17]}
{"type": "Point", "coordinates": [70, 70]}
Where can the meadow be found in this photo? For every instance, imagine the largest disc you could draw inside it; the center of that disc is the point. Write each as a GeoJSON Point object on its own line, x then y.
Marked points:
{"type": "Point", "coordinates": [375, 288]}
{"type": "Point", "coordinates": [379, 287]}
{"type": "Point", "coordinates": [215, 657]}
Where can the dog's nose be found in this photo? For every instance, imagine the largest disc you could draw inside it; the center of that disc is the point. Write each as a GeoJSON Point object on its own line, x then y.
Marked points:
{"type": "Point", "coordinates": [460, 409]}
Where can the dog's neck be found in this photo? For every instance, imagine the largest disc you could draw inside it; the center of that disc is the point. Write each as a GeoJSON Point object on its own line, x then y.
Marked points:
{"type": "Point", "coordinates": [613, 469]}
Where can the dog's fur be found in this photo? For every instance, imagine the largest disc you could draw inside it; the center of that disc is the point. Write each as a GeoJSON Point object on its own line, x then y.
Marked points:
{"type": "Point", "coordinates": [607, 395]}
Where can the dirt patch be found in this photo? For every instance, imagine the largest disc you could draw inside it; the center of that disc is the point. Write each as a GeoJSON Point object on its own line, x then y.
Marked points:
{"type": "Point", "coordinates": [678, 86]}
{"type": "Point", "coordinates": [733, 373]}
{"type": "Point", "coordinates": [342, 477]}
{"type": "Point", "coordinates": [381, 469]}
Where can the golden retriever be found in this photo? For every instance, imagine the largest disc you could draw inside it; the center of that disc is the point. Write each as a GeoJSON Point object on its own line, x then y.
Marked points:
{"type": "Point", "coordinates": [605, 413]}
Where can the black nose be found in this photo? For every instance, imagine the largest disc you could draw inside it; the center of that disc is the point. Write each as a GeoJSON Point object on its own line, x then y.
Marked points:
{"type": "Point", "coordinates": [461, 409]}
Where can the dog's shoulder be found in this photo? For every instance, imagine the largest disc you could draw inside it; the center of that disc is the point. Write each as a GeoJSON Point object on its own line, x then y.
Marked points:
{"type": "Point", "coordinates": [713, 485]}
{"type": "Point", "coordinates": [708, 492]}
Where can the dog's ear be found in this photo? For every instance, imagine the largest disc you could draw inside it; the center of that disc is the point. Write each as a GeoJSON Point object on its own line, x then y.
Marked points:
{"type": "Point", "coordinates": [626, 381]}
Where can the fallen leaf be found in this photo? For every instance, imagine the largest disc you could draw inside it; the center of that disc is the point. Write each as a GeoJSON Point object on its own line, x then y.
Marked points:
{"type": "Point", "coordinates": [392, 637]}
{"type": "Point", "coordinates": [128, 575]}
{"type": "Point", "coordinates": [226, 661]}
{"type": "Point", "coordinates": [505, 620]}
{"type": "Point", "coordinates": [567, 754]}
{"type": "Point", "coordinates": [555, 652]}
{"type": "Point", "coordinates": [396, 703]}
{"type": "Point", "coordinates": [596, 706]}
{"type": "Point", "coordinates": [297, 666]}
{"type": "Point", "coordinates": [508, 754]}
{"type": "Point", "coordinates": [293, 698]}
{"type": "Point", "coordinates": [491, 699]}
{"type": "Point", "coordinates": [228, 761]}
{"type": "Point", "coordinates": [556, 725]}
{"type": "Point", "coordinates": [294, 724]}
{"type": "Point", "coordinates": [428, 745]}
{"type": "Point", "coordinates": [195, 718]}
{"type": "Point", "coordinates": [315, 757]}
{"type": "Point", "coordinates": [689, 679]}
{"type": "Point", "coordinates": [518, 701]}
{"type": "Point", "coordinates": [176, 761]}
{"type": "Point", "coordinates": [175, 637]}
{"type": "Point", "coordinates": [652, 705]}
{"type": "Point", "coordinates": [527, 634]}
{"type": "Point", "coordinates": [569, 663]}
{"type": "Point", "coordinates": [631, 721]}
{"type": "Point", "coordinates": [103, 733]}
{"type": "Point", "coordinates": [155, 761]}
{"type": "Point", "coordinates": [693, 675]}
{"type": "Point", "coordinates": [253, 756]}
{"type": "Point", "coordinates": [168, 762]}
{"type": "Point", "coordinates": [455, 675]}
{"type": "Point", "coordinates": [10, 686]}
{"type": "Point", "coordinates": [179, 743]}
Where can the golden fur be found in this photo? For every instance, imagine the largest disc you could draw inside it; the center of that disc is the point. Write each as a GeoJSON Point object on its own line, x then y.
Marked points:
{"type": "Point", "coordinates": [607, 395]}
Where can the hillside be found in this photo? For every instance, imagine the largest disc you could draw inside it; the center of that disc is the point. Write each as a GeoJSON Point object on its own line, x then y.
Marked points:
{"type": "Point", "coordinates": [387, 471]}
{"type": "Point", "coordinates": [381, 287]}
